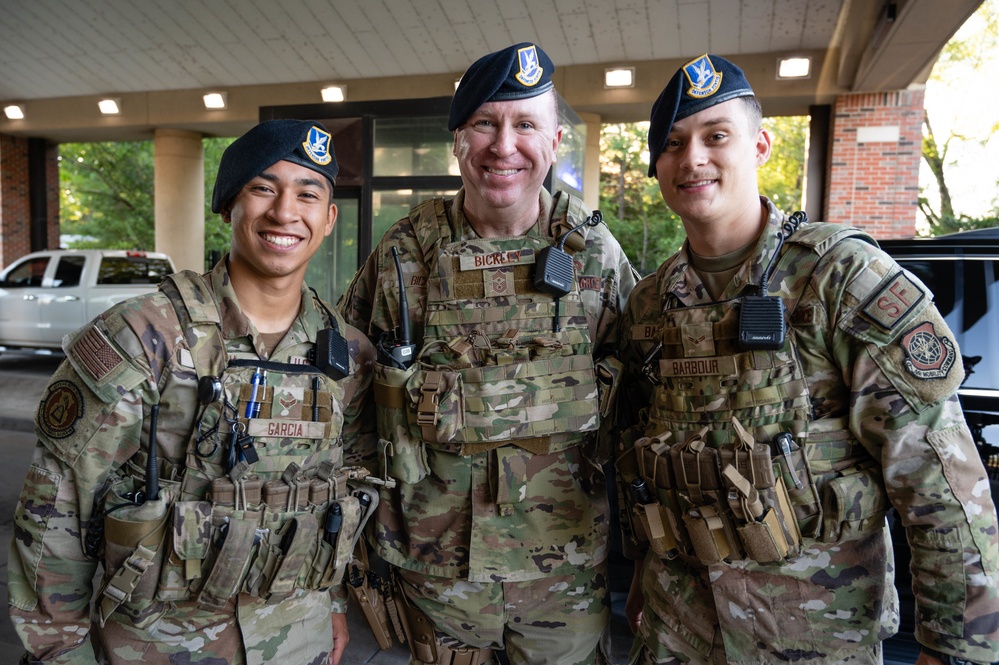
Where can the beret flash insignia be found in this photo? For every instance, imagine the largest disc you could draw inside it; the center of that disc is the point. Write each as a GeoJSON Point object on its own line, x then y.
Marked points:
{"type": "Point", "coordinates": [530, 70]}
{"type": "Point", "coordinates": [704, 79]}
{"type": "Point", "coordinates": [317, 146]}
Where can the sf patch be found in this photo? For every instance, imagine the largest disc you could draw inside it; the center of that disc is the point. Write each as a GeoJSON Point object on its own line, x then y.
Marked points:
{"type": "Point", "coordinates": [60, 409]}
{"type": "Point", "coordinates": [893, 301]}
{"type": "Point", "coordinates": [927, 355]}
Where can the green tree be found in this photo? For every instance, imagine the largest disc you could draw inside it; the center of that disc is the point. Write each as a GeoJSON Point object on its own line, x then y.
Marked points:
{"type": "Point", "coordinates": [966, 60]}
{"type": "Point", "coordinates": [106, 194]}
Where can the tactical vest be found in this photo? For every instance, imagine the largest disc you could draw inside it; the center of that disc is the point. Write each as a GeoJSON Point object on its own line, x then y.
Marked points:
{"type": "Point", "coordinates": [728, 453]}
{"type": "Point", "coordinates": [263, 506]}
{"type": "Point", "coordinates": [501, 362]}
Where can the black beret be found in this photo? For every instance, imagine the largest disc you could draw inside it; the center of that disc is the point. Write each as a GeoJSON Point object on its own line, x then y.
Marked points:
{"type": "Point", "coordinates": [699, 84]}
{"type": "Point", "coordinates": [302, 142]}
{"type": "Point", "coordinates": [517, 72]}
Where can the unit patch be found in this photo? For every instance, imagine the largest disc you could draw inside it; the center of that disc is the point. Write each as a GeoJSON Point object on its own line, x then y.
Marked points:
{"type": "Point", "coordinates": [927, 355]}
{"type": "Point", "coordinates": [704, 78]}
{"type": "Point", "coordinates": [530, 71]}
{"type": "Point", "coordinates": [893, 301]}
{"type": "Point", "coordinates": [317, 146]}
{"type": "Point", "coordinates": [95, 352]}
{"type": "Point", "coordinates": [59, 410]}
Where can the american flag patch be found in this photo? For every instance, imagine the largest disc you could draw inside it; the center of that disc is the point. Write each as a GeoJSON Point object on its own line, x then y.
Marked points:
{"type": "Point", "coordinates": [93, 350]}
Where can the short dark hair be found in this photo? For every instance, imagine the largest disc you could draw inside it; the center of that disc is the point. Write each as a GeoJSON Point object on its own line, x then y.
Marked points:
{"type": "Point", "coordinates": [754, 112]}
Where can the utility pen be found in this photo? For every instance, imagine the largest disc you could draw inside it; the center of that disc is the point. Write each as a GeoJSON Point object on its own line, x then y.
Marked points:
{"type": "Point", "coordinates": [257, 382]}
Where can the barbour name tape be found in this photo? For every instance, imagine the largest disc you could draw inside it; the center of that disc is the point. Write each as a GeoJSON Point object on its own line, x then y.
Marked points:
{"type": "Point", "coordinates": [295, 429]}
{"type": "Point", "coordinates": [510, 258]}
{"type": "Point", "coordinates": [95, 352]}
{"type": "Point", "coordinates": [893, 301]}
{"type": "Point", "coordinates": [643, 331]}
{"type": "Point", "coordinates": [721, 366]}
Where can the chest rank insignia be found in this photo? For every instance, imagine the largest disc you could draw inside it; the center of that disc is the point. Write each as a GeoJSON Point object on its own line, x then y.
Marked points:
{"type": "Point", "coordinates": [703, 77]}
{"type": "Point", "coordinates": [530, 71]}
{"type": "Point", "coordinates": [317, 146]}
{"type": "Point", "coordinates": [928, 356]}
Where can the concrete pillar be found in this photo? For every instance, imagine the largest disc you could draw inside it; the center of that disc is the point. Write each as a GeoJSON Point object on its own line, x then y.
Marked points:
{"type": "Point", "coordinates": [591, 161]}
{"type": "Point", "coordinates": [873, 178]}
{"type": "Point", "coordinates": [179, 197]}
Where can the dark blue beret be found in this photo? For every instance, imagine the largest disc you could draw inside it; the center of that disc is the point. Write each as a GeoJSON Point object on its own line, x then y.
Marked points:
{"type": "Point", "coordinates": [699, 84]}
{"type": "Point", "coordinates": [302, 142]}
{"type": "Point", "coordinates": [517, 72]}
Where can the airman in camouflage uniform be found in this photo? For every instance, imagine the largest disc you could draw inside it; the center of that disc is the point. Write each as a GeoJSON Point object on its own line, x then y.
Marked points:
{"type": "Point", "coordinates": [498, 524]}
{"type": "Point", "coordinates": [229, 556]}
{"type": "Point", "coordinates": [785, 385]}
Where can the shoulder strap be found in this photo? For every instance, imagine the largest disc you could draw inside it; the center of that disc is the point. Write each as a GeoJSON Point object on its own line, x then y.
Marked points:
{"type": "Point", "coordinates": [806, 247]}
{"type": "Point", "coordinates": [200, 320]}
{"type": "Point", "coordinates": [568, 212]}
{"type": "Point", "coordinates": [431, 225]}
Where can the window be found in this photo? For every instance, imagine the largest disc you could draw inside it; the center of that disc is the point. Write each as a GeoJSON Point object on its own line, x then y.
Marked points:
{"type": "Point", "coordinates": [68, 271]}
{"type": "Point", "coordinates": [132, 270]}
{"type": "Point", "coordinates": [26, 274]}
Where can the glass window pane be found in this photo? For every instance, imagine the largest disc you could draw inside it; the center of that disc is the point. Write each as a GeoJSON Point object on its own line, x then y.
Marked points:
{"type": "Point", "coordinates": [68, 271]}
{"type": "Point", "coordinates": [389, 206]}
{"type": "Point", "coordinates": [334, 265]}
{"type": "Point", "coordinates": [413, 147]}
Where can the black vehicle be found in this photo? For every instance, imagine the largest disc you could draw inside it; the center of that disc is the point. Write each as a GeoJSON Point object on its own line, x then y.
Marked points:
{"type": "Point", "coordinates": [962, 271]}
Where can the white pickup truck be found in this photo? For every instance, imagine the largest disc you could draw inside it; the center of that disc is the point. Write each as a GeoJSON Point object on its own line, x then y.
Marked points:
{"type": "Point", "coordinates": [45, 295]}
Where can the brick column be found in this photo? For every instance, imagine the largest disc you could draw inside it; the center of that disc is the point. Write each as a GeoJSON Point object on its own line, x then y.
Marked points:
{"type": "Point", "coordinates": [16, 189]}
{"type": "Point", "coordinates": [874, 162]}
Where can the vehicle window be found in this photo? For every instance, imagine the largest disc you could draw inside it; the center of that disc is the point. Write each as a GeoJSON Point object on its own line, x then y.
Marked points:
{"type": "Point", "coordinates": [132, 270]}
{"type": "Point", "coordinates": [68, 271]}
{"type": "Point", "coordinates": [29, 273]}
{"type": "Point", "coordinates": [967, 294]}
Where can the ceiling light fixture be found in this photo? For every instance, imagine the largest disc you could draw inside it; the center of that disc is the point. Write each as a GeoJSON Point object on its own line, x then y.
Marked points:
{"type": "Point", "coordinates": [14, 111]}
{"type": "Point", "coordinates": [109, 106]}
{"type": "Point", "coordinates": [334, 93]}
{"type": "Point", "coordinates": [619, 77]}
{"type": "Point", "coordinates": [216, 100]}
{"type": "Point", "coordinates": [796, 67]}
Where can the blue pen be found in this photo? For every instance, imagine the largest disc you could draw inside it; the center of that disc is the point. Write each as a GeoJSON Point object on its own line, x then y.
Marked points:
{"type": "Point", "coordinates": [253, 406]}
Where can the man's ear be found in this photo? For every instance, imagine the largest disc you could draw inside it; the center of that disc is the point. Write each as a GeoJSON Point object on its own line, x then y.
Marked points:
{"type": "Point", "coordinates": [764, 143]}
{"type": "Point", "coordinates": [330, 220]}
{"type": "Point", "coordinates": [226, 212]}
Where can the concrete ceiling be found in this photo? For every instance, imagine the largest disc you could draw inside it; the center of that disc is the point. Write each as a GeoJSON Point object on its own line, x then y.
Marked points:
{"type": "Point", "coordinates": [58, 56]}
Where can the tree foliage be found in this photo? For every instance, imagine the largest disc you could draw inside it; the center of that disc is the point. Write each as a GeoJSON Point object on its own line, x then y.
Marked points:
{"type": "Point", "coordinates": [964, 61]}
{"type": "Point", "coordinates": [106, 195]}
{"type": "Point", "coordinates": [634, 208]}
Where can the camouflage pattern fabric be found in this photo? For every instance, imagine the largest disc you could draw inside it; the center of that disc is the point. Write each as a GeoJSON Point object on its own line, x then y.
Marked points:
{"type": "Point", "coordinates": [562, 619]}
{"type": "Point", "coordinates": [879, 370]}
{"type": "Point", "coordinates": [504, 514]}
{"type": "Point", "coordinates": [92, 426]}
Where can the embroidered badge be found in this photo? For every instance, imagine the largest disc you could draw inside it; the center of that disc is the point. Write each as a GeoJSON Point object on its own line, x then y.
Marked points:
{"type": "Point", "coordinates": [95, 352]}
{"type": "Point", "coordinates": [928, 356]}
{"type": "Point", "coordinates": [59, 410]}
{"type": "Point", "coordinates": [591, 283]}
{"type": "Point", "coordinates": [703, 77]}
{"type": "Point", "coordinates": [317, 146]}
{"type": "Point", "coordinates": [893, 301]}
{"type": "Point", "coordinates": [498, 282]}
{"type": "Point", "coordinates": [530, 71]}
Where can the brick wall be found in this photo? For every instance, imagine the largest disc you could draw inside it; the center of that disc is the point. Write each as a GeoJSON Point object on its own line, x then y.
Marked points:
{"type": "Point", "coordinates": [873, 181]}
{"type": "Point", "coordinates": [15, 198]}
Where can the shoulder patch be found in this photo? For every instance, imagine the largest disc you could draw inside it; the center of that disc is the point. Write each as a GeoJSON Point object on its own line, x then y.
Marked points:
{"type": "Point", "coordinates": [893, 301]}
{"type": "Point", "coordinates": [60, 409]}
{"type": "Point", "coordinates": [928, 355]}
{"type": "Point", "coordinates": [93, 350]}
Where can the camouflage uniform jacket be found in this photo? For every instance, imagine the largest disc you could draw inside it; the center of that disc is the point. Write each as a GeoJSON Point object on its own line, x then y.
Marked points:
{"type": "Point", "coordinates": [506, 514]}
{"type": "Point", "coordinates": [93, 427]}
{"type": "Point", "coordinates": [875, 401]}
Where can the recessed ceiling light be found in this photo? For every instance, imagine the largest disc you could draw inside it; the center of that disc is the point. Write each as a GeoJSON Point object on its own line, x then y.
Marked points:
{"type": "Point", "coordinates": [215, 100]}
{"type": "Point", "coordinates": [14, 111]}
{"type": "Point", "coordinates": [619, 77]}
{"type": "Point", "coordinates": [109, 106]}
{"type": "Point", "coordinates": [794, 68]}
{"type": "Point", "coordinates": [334, 93]}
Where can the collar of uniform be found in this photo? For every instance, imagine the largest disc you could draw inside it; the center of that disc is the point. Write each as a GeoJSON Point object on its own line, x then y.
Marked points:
{"type": "Point", "coordinates": [236, 324]}
{"type": "Point", "coordinates": [463, 229]}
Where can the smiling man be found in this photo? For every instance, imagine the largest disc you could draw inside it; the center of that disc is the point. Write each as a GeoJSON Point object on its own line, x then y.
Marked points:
{"type": "Point", "coordinates": [498, 524]}
{"type": "Point", "coordinates": [786, 384]}
{"type": "Point", "coordinates": [173, 435]}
